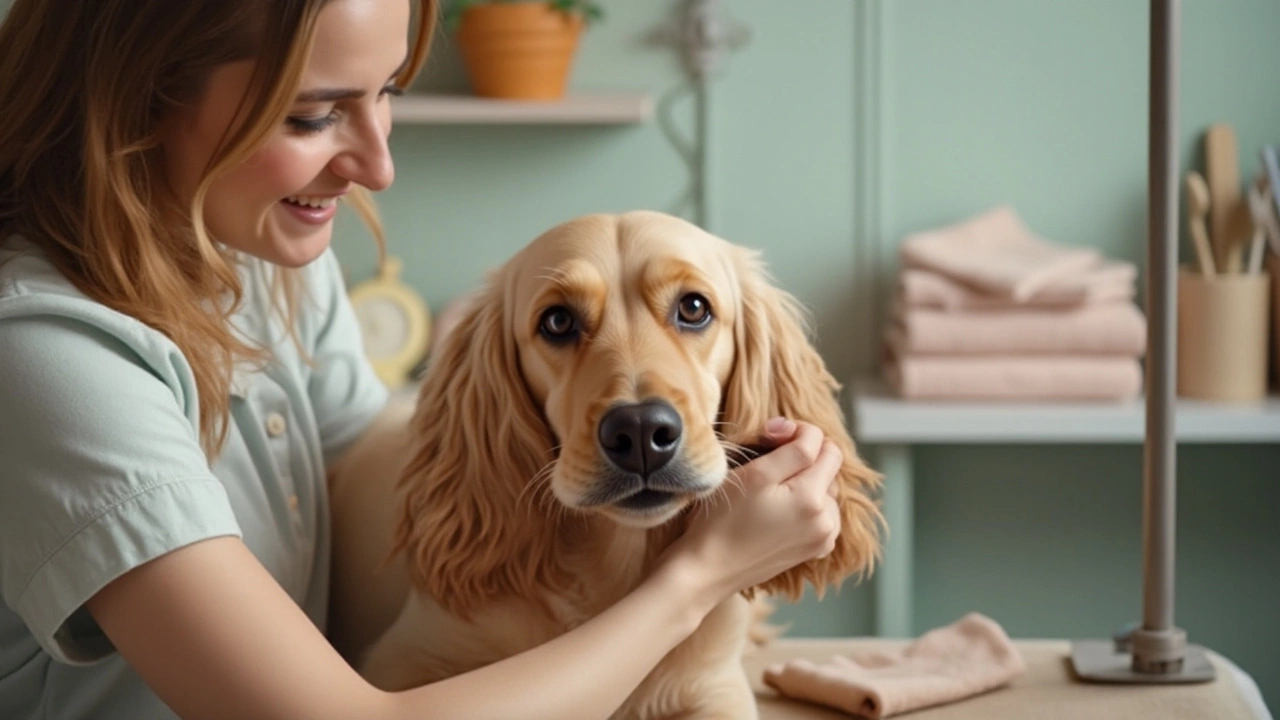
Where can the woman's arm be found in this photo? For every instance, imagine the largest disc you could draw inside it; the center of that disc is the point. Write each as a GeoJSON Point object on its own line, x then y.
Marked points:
{"type": "Point", "coordinates": [216, 637]}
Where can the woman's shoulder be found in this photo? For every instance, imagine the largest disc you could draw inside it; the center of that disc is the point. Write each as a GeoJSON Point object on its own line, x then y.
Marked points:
{"type": "Point", "coordinates": [41, 307]}
{"type": "Point", "coordinates": [25, 270]}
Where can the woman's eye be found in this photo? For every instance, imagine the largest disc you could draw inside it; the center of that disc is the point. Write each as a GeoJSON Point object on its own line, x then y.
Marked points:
{"type": "Point", "coordinates": [558, 324]}
{"type": "Point", "coordinates": [693, 311]}
{"type": "Point", "coordinates": [312, 125]}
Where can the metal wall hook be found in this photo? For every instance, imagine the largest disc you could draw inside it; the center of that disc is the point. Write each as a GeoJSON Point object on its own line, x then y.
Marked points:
{"type": "Point", "coordinates": [705, 34]}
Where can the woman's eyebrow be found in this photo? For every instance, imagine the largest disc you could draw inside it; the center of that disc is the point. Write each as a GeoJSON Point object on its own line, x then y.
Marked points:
{"type": "Point", "coordinates": [330, 94]}
{"type": "Point", "coordinates": [335, 94]}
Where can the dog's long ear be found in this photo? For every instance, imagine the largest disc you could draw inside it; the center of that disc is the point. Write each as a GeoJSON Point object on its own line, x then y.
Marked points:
{"type": "Point", "coordinates": [470, 526]}
{"type": "Point", "coordinates": [777, 371]}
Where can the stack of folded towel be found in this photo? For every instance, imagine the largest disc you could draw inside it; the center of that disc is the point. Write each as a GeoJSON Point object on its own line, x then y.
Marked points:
{"type": "Point", "coordinates": [986, 310]}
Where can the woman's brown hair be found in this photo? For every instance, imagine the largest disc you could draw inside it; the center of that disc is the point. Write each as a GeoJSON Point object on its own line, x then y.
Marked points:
{"type": "Point", "coordinates": [84, 85]}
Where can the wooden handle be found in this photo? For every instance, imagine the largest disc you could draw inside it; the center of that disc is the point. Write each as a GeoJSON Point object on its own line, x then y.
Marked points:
{"type": "Point", "coordinates": [1222, 173]}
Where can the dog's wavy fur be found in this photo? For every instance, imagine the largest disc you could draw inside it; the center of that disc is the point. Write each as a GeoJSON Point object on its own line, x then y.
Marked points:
{"type": "Point", "coordinates": [497, 560]}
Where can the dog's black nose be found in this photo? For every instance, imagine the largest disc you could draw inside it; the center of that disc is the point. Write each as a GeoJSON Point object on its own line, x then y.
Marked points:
{"type": "Point", "coordinates": [641, 437]}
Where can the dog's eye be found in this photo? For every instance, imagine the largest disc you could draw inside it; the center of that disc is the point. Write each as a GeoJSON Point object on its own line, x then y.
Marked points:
{"type": "Point", "coordinates": [693, 311]}
{"type": "Point", "coordinates": [558, 324]}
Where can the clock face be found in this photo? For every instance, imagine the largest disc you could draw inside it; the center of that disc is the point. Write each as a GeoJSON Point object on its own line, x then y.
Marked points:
{"type": "Point", "coordinates": [384, 327]}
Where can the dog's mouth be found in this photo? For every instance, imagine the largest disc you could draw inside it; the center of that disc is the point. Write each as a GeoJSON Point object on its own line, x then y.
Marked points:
{"type": "Point", "coordinates": [649, 502]}
{"type": "Point", "coordinates": [648, 507]}
{"type": "Point", "coordinates": [646, 500]}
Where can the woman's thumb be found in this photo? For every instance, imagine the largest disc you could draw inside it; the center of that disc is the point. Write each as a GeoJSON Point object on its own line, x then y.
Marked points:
{"type": "Point", "coordinates": [780, 428]}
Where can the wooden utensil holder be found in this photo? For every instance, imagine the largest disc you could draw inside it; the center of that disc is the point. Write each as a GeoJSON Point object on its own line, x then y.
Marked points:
{"type": "Point", "coordinates": [1223, 332]}
{"type": "Point", "coordinates": [1273, 264]}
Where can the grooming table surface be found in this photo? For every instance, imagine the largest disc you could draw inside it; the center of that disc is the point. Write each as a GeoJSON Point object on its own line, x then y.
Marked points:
{"type": "Point", "coordinates": [1048, 689]}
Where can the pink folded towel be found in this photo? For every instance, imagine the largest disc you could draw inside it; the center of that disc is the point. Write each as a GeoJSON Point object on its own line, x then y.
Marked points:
{"type": "Point", "coordinates": [995, 253]}
{"type": "Point", "coordinates": [968, 657]}
{"type": "Point", "coordinates": [1026, 377]}
{"type": "Point", "coordinates": [1109, 329]}
{"type": "Point", "coordinates": [1108, 282]}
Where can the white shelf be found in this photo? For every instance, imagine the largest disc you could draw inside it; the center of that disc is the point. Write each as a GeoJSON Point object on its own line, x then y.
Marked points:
{"type": "Point", "coordinates": [615, 109]}
{"type": "Point", "coordinates": [881, 418]}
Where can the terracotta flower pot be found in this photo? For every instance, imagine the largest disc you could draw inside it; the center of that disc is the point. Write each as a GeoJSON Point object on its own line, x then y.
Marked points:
{"type": "Point", "coordinates": [520, 50]}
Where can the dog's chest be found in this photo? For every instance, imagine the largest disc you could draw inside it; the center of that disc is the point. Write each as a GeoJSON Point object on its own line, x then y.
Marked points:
{"type": "Point", "coordinates": [604, 567]}
{"type": "Point", "coordinates": [602, 574]}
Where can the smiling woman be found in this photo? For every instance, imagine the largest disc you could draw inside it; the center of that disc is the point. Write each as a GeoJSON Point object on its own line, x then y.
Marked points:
{"type": "Point", "coordinates": [169, 173]}
{"type": "Point", "coordinates": [180, 346]}
{"type": "Point", "coordinates": [279, 203]}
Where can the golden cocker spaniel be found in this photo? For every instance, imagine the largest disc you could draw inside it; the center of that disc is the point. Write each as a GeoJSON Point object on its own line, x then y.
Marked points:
{"type": "Point", "coordinates": [596, 389]}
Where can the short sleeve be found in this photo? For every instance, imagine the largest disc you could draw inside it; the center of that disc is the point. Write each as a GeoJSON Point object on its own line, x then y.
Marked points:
{"type": "Point", "coordinates": [102, 467]}
{"type": "Point", "coordinates": [345, 392]}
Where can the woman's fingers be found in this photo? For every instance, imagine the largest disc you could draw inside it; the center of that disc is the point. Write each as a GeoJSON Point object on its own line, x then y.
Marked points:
{"type": "Point", "coordinates": [797, 454]}
{"type": "Point", "coordinates": [814, 488]}
{"type": "Point", "coordinates": [832, 517]}
{"type": "Point", "coordinates": [819, 477]}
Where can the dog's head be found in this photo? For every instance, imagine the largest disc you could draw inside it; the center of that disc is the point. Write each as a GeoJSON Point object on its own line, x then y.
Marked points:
{"type": "Point", "coordinates": [613, 366]}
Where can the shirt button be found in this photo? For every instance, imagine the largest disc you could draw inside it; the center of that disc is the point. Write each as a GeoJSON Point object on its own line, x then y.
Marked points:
{"type": "Point", "coordinates": [293, 503]}
{"type": "Point", "coordinates": [275, 425]}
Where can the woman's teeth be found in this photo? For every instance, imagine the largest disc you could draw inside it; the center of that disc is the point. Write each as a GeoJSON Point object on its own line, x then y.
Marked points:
{"type": "Point", "coordinates": [313, 202]}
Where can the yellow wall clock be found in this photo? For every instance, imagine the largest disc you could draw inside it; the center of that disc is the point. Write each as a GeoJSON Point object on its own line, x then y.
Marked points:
{"type": "Point", "coordinates": [395, 324]}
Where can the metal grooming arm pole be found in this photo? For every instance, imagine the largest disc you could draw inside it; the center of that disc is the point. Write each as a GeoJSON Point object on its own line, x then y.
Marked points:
{"type": "Point", "coordinates": [1157, 651]}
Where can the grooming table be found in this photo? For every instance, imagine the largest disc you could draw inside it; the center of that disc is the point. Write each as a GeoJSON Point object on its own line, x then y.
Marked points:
{"type": "Point", "coordinates": [1046, 691]}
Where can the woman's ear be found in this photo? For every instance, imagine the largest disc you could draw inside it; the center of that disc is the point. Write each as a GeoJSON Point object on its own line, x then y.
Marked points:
{"type": "Point", "coordinates": [470, 526]}
{"type": "Point", "coordinates": [777, 371]}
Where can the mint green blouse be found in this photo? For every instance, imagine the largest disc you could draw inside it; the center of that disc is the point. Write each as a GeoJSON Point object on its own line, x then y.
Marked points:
{"type": "Point", "coordinates": [101, 468]}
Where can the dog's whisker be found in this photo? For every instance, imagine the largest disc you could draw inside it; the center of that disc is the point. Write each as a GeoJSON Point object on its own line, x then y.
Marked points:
{"type": "Point", "coordinates": [537, 481]}
{"type": "Point", "coordinates": [542, 498]}
{"type": "Point", "coordinates": [739, 454]}
{"type": "Point", "coordinates": [713, 500]}
{"type": "Point", "coordinates": [558, 512]}
{"type": "Point", "coordinates": [731, 480]}
{"type": "Point", "coordinates": [551, 506]}
{"type": "Point", "coordinates": [544, 472]}
{"type": "Point", "coordinates": [532, 489]}
{"type": "Point", "coordinates": [720, 425]}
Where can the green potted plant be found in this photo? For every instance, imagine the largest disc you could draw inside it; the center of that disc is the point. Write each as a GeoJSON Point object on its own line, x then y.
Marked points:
{"type": "Point", "coordinates": [519, 49]}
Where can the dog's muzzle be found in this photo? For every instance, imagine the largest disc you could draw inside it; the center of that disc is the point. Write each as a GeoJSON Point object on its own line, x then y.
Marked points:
{"type": "Point", "coordinates": [641, 443]}
{"type": "Point", "coordinates": [640, 438]}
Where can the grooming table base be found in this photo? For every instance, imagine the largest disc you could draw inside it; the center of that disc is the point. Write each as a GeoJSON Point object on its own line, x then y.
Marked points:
{"type": "Point", "coordinates": [1048, 690]}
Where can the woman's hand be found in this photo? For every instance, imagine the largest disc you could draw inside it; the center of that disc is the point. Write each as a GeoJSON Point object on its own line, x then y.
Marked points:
{"type": "Point", "coordinates": [774, 513]}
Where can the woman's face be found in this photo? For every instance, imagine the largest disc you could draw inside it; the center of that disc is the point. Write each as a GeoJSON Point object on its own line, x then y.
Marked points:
{"type": "Point", "coordinates": [280, 203]}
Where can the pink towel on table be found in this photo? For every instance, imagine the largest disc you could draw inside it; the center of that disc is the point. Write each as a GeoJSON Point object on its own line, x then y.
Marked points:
{"type": "Point", "coordinates": [1110, 329]}
{"type": "Point", "coordinates": [968, 657]}
{"type": "Point", "coordinates": [1010, 377]}
{"type": "Point", "coordinates": [995, 253]}
{"type": "Point", "coordinates": [1104, 283]}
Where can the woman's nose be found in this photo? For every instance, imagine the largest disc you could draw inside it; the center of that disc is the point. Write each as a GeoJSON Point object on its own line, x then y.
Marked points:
{"type": "Point", "coordinates": [367, 159]}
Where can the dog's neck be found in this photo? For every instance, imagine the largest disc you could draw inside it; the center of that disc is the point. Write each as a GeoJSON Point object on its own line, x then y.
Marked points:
{"type": "Point", "coordinates": [604, 560]}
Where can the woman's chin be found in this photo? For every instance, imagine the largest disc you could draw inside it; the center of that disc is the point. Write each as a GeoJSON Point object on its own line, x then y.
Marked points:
{"type": "Point", "coordinates": [295, 251]}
